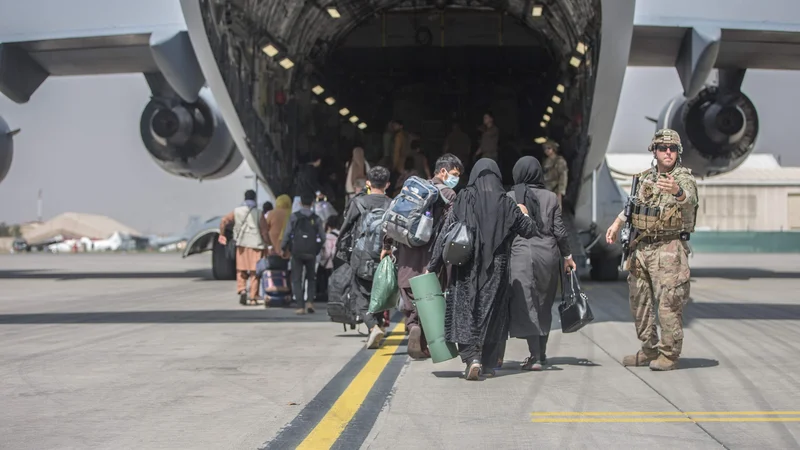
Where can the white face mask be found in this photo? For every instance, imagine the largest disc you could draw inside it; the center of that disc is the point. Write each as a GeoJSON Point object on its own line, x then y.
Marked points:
{"type": "Point", "coordinates": [451, 181]}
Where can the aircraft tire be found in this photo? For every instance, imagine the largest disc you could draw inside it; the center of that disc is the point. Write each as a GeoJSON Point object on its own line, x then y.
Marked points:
{"type": "Point", "coordinates": [222, 267]}
{"type": "Point", "coordinates": [606, 269]}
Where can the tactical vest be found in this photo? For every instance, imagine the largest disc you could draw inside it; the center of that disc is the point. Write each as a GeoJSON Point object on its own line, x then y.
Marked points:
{"type": "Point", "coordinates": [659, 213]}
{"type": "Point", "coordinates": [245, 228]}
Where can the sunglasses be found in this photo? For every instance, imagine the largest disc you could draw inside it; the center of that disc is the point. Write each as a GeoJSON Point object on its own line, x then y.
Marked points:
{"type": "Point", "coordinates": [665, 148]}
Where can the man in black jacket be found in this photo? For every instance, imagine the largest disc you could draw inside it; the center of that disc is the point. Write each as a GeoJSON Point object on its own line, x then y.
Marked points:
{"type": "Point", "coordinates": [378, 182]}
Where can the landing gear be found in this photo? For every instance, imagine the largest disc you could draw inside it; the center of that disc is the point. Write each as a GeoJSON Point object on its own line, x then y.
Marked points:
{"type": "Point", "coordinates": [605, 268]}
{"type": "Point", "coordinates": [222, 267]}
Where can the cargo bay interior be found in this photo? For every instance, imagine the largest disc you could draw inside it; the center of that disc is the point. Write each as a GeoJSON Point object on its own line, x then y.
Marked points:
{"type": "Point", "coordinates": [322, 75]}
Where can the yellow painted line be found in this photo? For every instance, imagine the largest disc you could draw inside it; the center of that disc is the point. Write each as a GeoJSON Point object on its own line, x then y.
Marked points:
{"type": "Point", "coordinates": [666, 413]}
{"type": "Point", "coordinates": [341, 413]}
{"type": "Point", "coordinates": [664, 419]}
{"type": "Point", "coordinates": [610, 420]}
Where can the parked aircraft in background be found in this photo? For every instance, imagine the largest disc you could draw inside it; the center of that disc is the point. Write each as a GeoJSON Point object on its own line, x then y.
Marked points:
{"type": "Point", "coordinates": [268, 80]}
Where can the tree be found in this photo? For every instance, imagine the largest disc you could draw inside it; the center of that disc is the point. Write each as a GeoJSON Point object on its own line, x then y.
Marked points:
{"type": "Point", "coordinates": [5, 231]}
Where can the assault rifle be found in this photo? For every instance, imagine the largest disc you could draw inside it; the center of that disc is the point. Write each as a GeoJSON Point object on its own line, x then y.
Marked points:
{"type": "Point", "coordinates": [628, 232]}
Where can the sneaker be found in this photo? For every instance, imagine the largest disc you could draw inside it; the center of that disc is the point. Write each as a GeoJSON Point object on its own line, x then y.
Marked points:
{"type": "Point", "coordinates": [310, 307]}
{"type": "Point", "coordinates": [531, 363]}
{"type": "Point", "coordinates": [473, 370]}
{"type": "Point", "coordinates": [375, 336]}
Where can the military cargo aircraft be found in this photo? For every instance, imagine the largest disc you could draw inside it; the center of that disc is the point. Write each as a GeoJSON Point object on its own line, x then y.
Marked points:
{"type": "Point", "coordinates": [269, 80]}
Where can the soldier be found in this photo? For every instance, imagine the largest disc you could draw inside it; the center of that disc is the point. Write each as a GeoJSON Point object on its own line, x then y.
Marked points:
{"type": "Point", "coordinates": [663, 217]}
{"type": "Point", "coordinates": [555, 170]}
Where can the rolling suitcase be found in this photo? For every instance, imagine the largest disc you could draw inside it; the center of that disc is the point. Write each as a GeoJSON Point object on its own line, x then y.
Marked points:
{"type": "Point", "coordinates": [277, 288]}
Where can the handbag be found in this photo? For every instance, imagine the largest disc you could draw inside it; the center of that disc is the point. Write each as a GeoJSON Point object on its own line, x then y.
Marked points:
{"type": "Point", "coordinates": [457, 245]}
{"type": "Point", "coordinates": [574, 310]}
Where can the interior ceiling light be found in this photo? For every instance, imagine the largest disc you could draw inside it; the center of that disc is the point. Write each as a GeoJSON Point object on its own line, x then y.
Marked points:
{"type": "Point", "coordinates": [549, 110]}
{"type": "Point", "coordinates": [537, 10]}
{"type": "Point", "coordinates": [546, 118]}
{"type": "Point", "coordinates": [540, 140]}
{"type": "Point", "coordinates": [318, 89]}
{"type": "Point", "coordinates": [270, 50]}
{"type": "Point", "coordinates": [362, 125]}
{"type": "Point", "coordinates": [556, 99]}
{"type": "Point", "coordinates": [354, 119]}
{"type": "Point", "coordinates": [575, 62]}
{"type": "Point", "coordinates": [334, 12]}
{"type": "Point", "coordinates": [560, 88]}
{"type": "Point", "coordinates": [330, 101]}
{"type": "Point", "coordinates": [344, 111]}
{"type": "Point", "coordinates": [286, 63]}
{"type": "Point", "coordinates": [542, 124]}
{"type": "Point", "coordinates": [581, 48]}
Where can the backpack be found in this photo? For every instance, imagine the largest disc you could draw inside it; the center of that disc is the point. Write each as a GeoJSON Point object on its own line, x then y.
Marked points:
{"type": "Point", "coordinates": [341, 301]}
{"type": "Point", "coordinates": [305, 235]}
{"type": "Point", "coordinates": [409, 219]}
{"type": "Point", "coordinates": [368, 242]}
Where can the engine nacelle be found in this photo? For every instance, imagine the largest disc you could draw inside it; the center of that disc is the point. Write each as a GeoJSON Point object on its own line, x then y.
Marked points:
{"type": "Point", "coordinates": [6, 148]}
{"type": "Point", "coordinates": [717, 133]}
{"type": "Point", "coordinates": [189, 139]}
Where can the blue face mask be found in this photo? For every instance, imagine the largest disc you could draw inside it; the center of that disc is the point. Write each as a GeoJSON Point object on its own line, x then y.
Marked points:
{"type": "Point", "coordinates": [451, 182]}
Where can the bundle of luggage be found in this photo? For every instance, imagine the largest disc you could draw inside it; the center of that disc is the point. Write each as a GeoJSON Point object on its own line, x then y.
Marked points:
{"type": "Point", "coordinates": [408, 220]}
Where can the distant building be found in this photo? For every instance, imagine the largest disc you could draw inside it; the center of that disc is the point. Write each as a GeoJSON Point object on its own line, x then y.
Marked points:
{"type": "Point", "coordinates": [759, 195]}
{"type": "Point", "coordinates": [75, 226]}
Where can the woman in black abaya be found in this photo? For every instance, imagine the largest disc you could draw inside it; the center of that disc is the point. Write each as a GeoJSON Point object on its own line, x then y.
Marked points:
{"type": "Point", "coordinates": [476, 316]}
{"type": "Point", "coordinates": [536, 263]}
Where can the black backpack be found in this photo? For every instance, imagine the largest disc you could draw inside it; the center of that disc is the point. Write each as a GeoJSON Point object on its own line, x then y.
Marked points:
{"type": "Point", "coordinates": [368, 241]}
{"type": "Point", "coordinates": [341, 301]}
{"type": "Point", "coordinates": [305, 235]}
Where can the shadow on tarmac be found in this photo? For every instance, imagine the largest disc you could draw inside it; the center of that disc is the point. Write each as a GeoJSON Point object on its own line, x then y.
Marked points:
{"type": "Point", "coordinates": [697, 363]}
{"type": "Point", "coordinates": [200, 274]}
{"type": "Point", "coordinates": [256, 314]}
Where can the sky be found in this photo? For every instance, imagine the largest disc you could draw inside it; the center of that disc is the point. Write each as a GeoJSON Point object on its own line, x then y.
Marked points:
{"type": "Point", "coordinates": [80, 139]}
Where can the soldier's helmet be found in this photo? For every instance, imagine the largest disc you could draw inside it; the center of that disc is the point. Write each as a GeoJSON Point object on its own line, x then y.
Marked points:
{"type": "Point", "coordinates": [666, 136]}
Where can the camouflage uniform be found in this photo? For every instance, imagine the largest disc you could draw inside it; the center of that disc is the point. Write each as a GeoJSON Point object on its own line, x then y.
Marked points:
{"type": "Point", "coordinates": [555, 171]}
{"type": "Point", "coordinates": [658, 264]}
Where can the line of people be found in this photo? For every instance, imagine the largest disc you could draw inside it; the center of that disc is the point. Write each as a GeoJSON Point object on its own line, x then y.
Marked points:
{"type": "Point", "coordinates": [508, 287]}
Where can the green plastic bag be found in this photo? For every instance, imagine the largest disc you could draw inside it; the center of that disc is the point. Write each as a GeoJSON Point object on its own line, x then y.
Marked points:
{"type": "Point", "coordinates": [385, 291]}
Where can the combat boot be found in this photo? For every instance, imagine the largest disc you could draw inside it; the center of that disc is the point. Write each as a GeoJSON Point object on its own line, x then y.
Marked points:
{"type": "Point", "coordinates": [640, 359]}
{"type": "Point", "coordinates": [663, 363]}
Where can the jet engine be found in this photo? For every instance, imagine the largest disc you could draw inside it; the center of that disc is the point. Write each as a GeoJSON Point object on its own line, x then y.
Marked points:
{"type": "Point", "coordinates": [6, 148]}
{"type": "Point", "coordinates": [718, 129]}
{"type": "Point", "coordinates": [189, 139]}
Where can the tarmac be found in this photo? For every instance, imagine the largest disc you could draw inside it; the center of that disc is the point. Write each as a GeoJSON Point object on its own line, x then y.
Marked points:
{"type": "Point", "coordinates": [146, 351]}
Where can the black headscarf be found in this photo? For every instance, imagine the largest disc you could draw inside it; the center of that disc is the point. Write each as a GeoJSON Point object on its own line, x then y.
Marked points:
{"type": "Point", "coordinates": [486, 209]}
{"type": "Point", "coordinates": [528, 174]}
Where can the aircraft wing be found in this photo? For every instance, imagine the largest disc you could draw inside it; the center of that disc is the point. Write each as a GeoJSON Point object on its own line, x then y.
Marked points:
{"type": "Point", "coordinates": [660, 41]}
{"type": "Point", "coordinates": [27, 61]}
